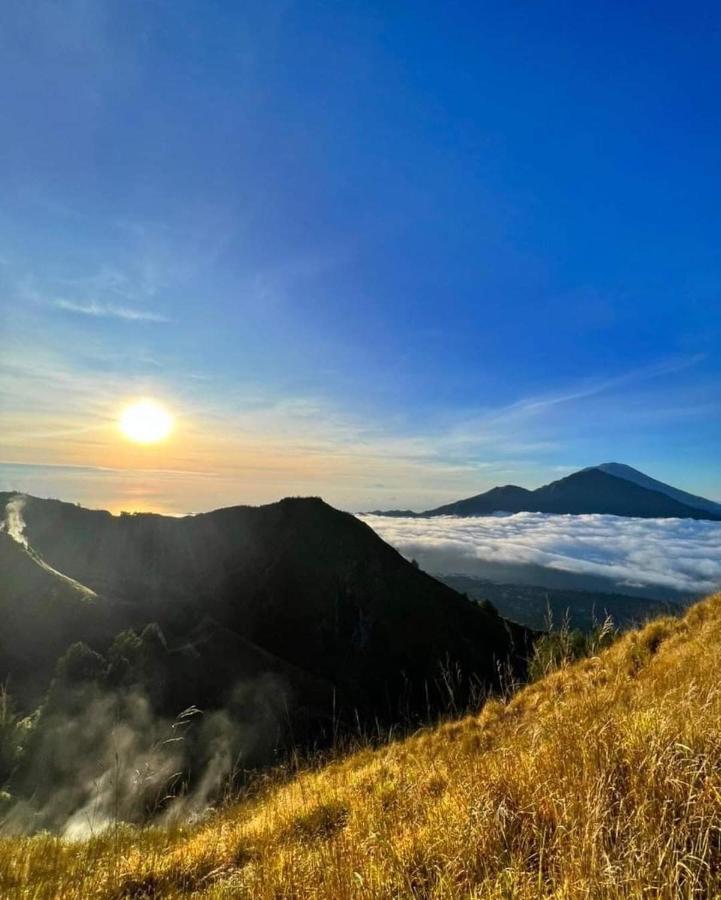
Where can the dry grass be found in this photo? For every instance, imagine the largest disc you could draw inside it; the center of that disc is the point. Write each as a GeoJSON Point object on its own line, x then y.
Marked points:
{"type": "Point", "coordinates": [601, 780]}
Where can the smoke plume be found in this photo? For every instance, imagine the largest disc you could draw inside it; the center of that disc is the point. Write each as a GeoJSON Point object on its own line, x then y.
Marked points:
{"type": "Point", "coordinates": [14, 524]}
{"type": "Point", "coordinates": [104, 757]}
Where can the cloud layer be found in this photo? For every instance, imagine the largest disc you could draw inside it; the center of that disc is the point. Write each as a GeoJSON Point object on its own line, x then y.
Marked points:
{"type": "Point", "coordinates": [673, 554]}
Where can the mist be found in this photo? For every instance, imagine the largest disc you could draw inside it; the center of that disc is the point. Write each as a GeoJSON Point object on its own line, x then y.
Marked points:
{"type": "Point", "coordinates": [93, 758]}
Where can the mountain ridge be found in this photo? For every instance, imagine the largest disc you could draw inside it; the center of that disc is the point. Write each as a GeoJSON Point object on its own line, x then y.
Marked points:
{"type": "Point", "coordinates": [308, 585]}
{"type": "Point", "coordinates": [592, 490]}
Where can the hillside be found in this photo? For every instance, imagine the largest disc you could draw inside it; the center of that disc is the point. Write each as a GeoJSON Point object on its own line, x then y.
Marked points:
{"type": "Point", "coordinates": [297, 582]}
{"type": "Point", "coordinates": [42, 612]}
{"type": "Point", "coordinates": [610, 489]}
{"type": "Point", "coordinates": [532, 605]}
{"type": "Point", "coordinates": [602, 779]}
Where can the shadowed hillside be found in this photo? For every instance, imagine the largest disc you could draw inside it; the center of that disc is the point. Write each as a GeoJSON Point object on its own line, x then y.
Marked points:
{"type": "Point", "coordinates": [541, 608]}
{"type": "Point", "coordinates": [297, 581]}
{"type": "Point", "coordinates": [41, 613]}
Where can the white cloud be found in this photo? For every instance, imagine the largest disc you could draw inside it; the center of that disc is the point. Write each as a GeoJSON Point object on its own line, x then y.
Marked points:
{"type": "Point", "coordinates": [109, 311]}
{"type": "Point", "coordinates": [677, 554]}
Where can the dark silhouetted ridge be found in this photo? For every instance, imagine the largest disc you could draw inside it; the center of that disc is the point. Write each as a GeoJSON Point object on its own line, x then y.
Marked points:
{"type": "Point", "coordinates": [314, 589]}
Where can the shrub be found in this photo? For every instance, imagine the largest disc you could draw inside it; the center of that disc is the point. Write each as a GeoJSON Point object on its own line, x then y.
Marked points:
{"type": "Point", "coordinates": [565, 645]}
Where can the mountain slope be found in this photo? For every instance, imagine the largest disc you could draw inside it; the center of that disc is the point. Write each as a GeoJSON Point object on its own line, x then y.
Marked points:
{"type": "Point", "coordinates": [592, 490]}
{"type": "Point", "coordinates": [509, 498]}
{"type": "Point", "coordinates": [534, 606]}
{"type": "Point", "coordinates": [602, 779]}
{"type": "Point", "coordinates": [41, 612]}
{"type": "Point", "coordinates": [309, 585]}
{"type": "Point", "coordinates": [630, 474]}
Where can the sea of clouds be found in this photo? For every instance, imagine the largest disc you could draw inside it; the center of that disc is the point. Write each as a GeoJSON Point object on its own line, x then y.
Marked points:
{"type": "Point", "coordinates": [681, 555]}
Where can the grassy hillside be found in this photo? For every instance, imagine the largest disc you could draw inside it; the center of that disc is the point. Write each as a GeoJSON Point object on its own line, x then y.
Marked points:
{"type": "Point", "coordinates": [602, 779]}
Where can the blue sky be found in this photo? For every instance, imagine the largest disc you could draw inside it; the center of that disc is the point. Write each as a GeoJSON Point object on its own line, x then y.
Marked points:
{"type": "Point", "coordinates": [387, 253]}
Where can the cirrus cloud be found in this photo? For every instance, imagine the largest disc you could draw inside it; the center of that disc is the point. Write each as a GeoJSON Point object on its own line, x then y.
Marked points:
{"type": "Point", "coordinates": [109, 311]}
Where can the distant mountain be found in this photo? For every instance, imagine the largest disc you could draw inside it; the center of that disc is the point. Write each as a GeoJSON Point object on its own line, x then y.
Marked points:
{"type": "Point", "coordinates": [630, 474]}
{"type": "Point", "coordinates": [620, 492]}
{"type": "Point", "coordinates": [296, 589]}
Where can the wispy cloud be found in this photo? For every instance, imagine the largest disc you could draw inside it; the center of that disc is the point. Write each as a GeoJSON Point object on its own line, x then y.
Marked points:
{"type": "Point", "coordinates": [538, 426]}
{"type": "Point", "coordinates": [534, 406]}
{"type": "Point", "coordinates": [4, 464]}
{"type": "Point", "coordinates": [109, 311]}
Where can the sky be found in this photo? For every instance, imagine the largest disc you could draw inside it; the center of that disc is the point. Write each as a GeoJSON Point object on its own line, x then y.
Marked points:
{"type": "Point", "coordinates": [391, 254]}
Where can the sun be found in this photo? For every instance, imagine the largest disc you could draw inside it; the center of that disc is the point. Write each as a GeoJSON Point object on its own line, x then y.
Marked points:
{"type": "Point", "coordinates": [146, 422]}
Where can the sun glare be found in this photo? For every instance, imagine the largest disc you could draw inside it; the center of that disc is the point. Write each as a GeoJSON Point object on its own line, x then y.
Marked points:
{"type": "Point", "coordinates": [146, 422]}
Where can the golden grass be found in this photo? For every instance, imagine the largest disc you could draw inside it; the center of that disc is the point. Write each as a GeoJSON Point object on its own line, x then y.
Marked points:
{"type": "Point", "coordinates": [601, 780]}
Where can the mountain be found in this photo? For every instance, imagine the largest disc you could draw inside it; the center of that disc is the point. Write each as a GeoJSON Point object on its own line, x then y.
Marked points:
{"type": "Point", "coordinates": [630, 474]}
{"type": "Point", "coordinates": [42, 612]}
{"type": "Point", "coordinates": [592, 490]}
{"type": "Point", "coordinates": [289, 588]}
{"type": "Point", "coordinates": [601, 779]}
